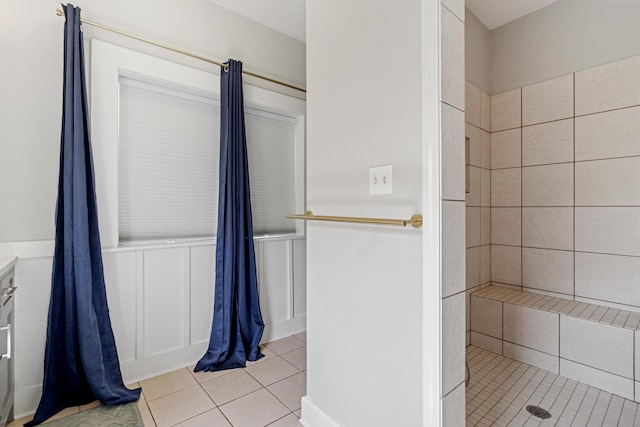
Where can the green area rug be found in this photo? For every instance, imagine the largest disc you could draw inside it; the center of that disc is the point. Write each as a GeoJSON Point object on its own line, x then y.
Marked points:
{"type": "Point", "coordinates": [102, 416]}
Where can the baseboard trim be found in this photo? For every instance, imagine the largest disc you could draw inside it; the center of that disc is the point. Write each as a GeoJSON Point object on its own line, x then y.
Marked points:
{"type": "Point", "coordinates": [312, 416]}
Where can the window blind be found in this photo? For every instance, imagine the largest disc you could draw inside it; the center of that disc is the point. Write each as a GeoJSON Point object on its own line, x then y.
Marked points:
{"type": "Point", "coordinates": [169, 158]}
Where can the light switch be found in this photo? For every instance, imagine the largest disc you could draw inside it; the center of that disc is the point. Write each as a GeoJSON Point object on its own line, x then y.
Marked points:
{"type": "Point", "coordinates": [380, 180]}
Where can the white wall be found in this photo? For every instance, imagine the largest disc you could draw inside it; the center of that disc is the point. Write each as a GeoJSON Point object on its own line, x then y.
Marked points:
{"type": "Point", "coordinates": [371, 101]}
{"type": "Point", "coordinates": [562, 38]}
{"type": "Point", "coordinates": [31, 47]}
{"type": "Point", "coordinates": [477, 52]}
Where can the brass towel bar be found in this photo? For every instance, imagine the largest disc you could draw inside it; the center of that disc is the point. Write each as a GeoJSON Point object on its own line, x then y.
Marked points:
{"type": "Point", "coordinates": [415, 220]}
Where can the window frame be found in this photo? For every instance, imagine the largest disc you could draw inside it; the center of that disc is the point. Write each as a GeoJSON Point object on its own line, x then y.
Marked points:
{"type": "Point", "coordinates": [108, 63]}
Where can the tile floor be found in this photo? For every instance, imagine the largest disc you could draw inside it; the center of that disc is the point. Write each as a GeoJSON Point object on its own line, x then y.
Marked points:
{"type": "Point", "coordinates": [501, 388]}
{"type": "Point", "coordinates": [268, 392]}
{"type": "Point", "coordinates": [265, 393]}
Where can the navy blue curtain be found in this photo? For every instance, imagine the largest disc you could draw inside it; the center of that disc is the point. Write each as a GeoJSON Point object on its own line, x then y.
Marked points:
{"type": "Point", "coordinates": [80, 362]}
{"type": "Point", "coordinates": [237, 322]}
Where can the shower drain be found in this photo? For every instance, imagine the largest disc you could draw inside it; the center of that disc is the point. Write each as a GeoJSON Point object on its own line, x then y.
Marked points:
{"type": "Point", "coordinates": [537, 411]}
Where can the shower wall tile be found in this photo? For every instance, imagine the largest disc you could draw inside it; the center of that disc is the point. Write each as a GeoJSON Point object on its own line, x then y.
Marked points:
{"type": "Point", "coordinates": [506, 110]}
{"type": "Point", "coordinates": [486, 316]}
{"type": "Point", "coordinates": [547, 101]}
{"type": "Point", "coordinates": [485, 264]}
{"type": "Point", "coordinates": [607, 87]}
{"type": "Point", "coordinates": [548, 228]}
{"type": "Point", "coordinates": [548, 270]}
{"type": "Point", "coordinates": [452, 59]}
{"type": "Point", "coordinates": [453, 153]}
{"type": "Point", "coordinates": [609, 134]}
{"type": "Point", "coordinates": [453, 249]}
{"type": "Point", "coordinates": [485, 111]}
{"type": "Point", "coordinates": [473, 226]}
{"type": "Point", "coordinates": [506, 264]}
{"type": "Point", "coordinates": [532, 357]}
{"type": "Point", "coordinates": [506, 226]}
{"type": "Point", "coordinates": [547, 143]}
{"type": "Point", "coordinates": [531, 328]}
{"type": "Point", "coordinates": [485, 149]}
{"type": "Point", "coordinates": [597, 378]}
{"type": "Point", "coordinates": [609, 230]}
{"type": "Point", "coordinates": [506, 149]}
{"type": "Point", "coordinates": [452, 405]}
{"type": "Point", "coordinates": [485, 226]}
{"type": "Point", "coordinates": [485, 188]}
{"type": "Point", "coordinates": [456, 7]}
{"type": "Point", "coordinates": [592, 344]}
{"type": "Point", "coordinates": [474, 134]}
{"type": "Point", "coordinates": [453, 342]}
{"type": "Point", "coordinates": [506, 187]}
{"type": "Point", "coordinates": [472, 104]}
{"type": "Point", "coordinates": [473, 197]}
{"type": "Point", "coordinates": [473, 267]}
{"type": "Point", "coordinates": [549, 185]}
{"type": "Point", "coordinates": [486, 342]}
{"type": "Point", "coordinates": [611, 278]}
{"type": "Point", "coordinates": [467, 304]}
{"type": "Point", "coordinates": [612, 182]}
{"type": "Point", "coordinates": [637, 359]}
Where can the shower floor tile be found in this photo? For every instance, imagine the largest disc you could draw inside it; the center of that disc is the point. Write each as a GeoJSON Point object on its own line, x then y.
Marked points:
{"type": "Point", "coordinates": [501, 389]}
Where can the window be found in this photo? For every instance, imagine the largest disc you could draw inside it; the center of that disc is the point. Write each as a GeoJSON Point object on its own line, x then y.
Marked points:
{"type": "Point", "coordinates": [161, 163]}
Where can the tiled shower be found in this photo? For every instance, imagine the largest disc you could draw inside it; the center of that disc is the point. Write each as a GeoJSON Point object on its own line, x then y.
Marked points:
{"type": "Point", "coordinates": [553, 209]}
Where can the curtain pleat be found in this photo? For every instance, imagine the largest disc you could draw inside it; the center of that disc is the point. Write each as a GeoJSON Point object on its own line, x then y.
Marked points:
{"type": "Point", "coordinates": [237, 321]}
{"type": "Point", "coordinates": [81, 361]}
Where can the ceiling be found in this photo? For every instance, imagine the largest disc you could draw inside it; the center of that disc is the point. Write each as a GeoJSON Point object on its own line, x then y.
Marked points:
{"type": "Point", "coordinates": [288, 16]}
{"type": "Point", "coordinates": [285, 16]}
{"type": "Point", "coordinates": [494, 13]}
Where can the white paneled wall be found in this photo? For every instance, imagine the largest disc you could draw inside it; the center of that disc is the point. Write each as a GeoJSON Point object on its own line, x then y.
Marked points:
{"type": "Point", "coordinates": [161, 306]}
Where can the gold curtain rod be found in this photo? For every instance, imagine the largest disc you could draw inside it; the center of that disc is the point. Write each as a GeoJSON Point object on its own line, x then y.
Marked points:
{"type": "Point", "coordinates": [415, 220]}
{"type": "Point", "coordinates": [59, 12]}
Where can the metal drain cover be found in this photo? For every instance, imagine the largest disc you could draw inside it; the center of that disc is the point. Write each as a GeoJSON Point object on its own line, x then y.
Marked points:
{"type": "Point", "coordinates": [537, 411]}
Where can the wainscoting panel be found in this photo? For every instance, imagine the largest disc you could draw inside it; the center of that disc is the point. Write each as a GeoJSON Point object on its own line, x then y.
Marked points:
{"type": "Point", "coordinates": [161, 306]}
{"type": "Point", "coordinates": [203, 278]}
{"type": "Point", "coordinates": [120, 281]}
{"type": "Point", "coordinates": [163, 301]}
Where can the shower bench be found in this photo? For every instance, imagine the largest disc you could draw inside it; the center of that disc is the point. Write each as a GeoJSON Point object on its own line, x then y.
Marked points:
{"type": "Point", "coordinates": [590, 343]}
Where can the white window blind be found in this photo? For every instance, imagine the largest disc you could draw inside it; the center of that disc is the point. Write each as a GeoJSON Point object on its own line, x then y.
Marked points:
{"type": "Point", "coordinates": [271, 146]}
{"type": "Point", "coordinates": [168, 164]}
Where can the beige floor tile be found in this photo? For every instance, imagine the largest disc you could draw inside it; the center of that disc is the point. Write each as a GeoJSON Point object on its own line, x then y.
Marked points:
{"type": "Point", "coordinates": [210, 418]}
{"type": "Point", "coordinates": [290, 390]}
{"type": "Point", "coordinates": [272, 370]}
{"type": "Point", "coordinates": [229, 387]}
{"type": "Point", "coordinates": [298, 413]}
{"type": "Point", "coordinates": [20, 421]}
{"type": "Point", "coordinates": [163, 385]}
{"type": "Point", "coordinates": [91, 405]}
{"type": "Point", "coordinates": [289, 421]}
{"type": "Point", "coordinates": [259, 408]}
{"type": "Point", "coordinates": [268, 354]}
{"type": "Point", "coordinates": [203, 376]}
{"type": "Point", "coordinates": [145, 414]}
{"type": "Point", "coordinates": [180, 406]}
{"type": "Point", "coordinates": [285, 345]}
{"type": "Point", "coordinates": [297, 358]}
{"type": "Point", "coordinates": [302, 336]}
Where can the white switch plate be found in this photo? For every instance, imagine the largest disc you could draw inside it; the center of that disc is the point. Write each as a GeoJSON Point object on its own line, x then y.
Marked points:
{"type": "Point", "coordinates": [380, 180]}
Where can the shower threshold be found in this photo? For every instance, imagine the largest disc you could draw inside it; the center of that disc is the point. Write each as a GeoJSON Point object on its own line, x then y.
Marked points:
{"type": "Point", "coordinates": [505, 392]}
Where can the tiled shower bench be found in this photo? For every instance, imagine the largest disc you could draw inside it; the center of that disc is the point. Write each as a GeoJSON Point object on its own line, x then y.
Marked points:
{"type": "Point", "coordinates": [591, 343]}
